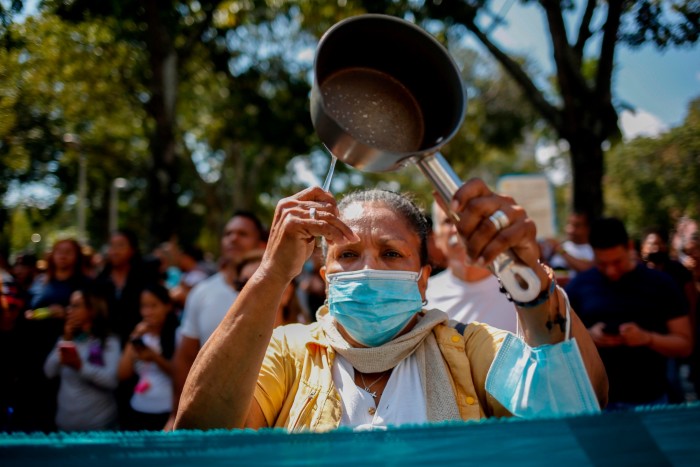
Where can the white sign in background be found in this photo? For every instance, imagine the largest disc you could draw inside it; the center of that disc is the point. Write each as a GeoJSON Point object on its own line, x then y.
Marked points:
{"type": "Point", "coordinates": [534, 193]}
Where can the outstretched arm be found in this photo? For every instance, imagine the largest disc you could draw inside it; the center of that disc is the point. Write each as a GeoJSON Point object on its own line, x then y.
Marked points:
{"type": "Point", "coordinates": [219, 390]}
{"type": "Point", "coordinates": [542, 324]}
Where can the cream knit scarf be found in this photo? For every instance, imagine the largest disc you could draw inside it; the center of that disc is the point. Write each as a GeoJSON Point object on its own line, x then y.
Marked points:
{"type": "Point", "coordinates": [435, 378]}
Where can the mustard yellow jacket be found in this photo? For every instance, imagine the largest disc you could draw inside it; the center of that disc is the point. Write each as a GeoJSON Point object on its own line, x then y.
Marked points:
{"type": "Point", "coordinates": [295, 387]}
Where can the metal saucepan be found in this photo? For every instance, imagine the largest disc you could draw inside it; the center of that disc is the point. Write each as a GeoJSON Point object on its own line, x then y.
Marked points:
{"type": "Point", "coordinates": [386, 94]}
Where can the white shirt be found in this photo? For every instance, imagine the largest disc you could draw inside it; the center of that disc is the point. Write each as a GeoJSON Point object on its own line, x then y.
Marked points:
{"type": "Point", "coordinates": [205, 307]}
{"type": "Point", "coordinates": [582, 251]}
{"type": "Point", "coordinates": [402, 402]}
{"type": "Point", "coordinates": [471, 301]}
{"type": "Point", "coordinates": [154, 391]}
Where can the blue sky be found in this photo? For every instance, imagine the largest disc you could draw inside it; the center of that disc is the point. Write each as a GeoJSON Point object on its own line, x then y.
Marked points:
{"type": "Point", "coordinates": [659, 85]}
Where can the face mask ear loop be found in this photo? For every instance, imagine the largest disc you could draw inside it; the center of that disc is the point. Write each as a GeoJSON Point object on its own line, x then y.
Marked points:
{"type": "Point", "coordinates": [567, 333]}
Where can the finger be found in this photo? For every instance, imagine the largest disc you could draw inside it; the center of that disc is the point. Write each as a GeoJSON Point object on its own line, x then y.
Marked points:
{"type": "Point", "coordinates": [518, 239]}
{"type": "Point", "coordinates": [473, 188]}
{"type": "Point", "coordinates": [335, 230]}
{"type": "Point", "coordinates": [295, 221]}
{"type": "Point", "coordinates": [474, 215]}
{"type": "Point", "coordinates": [325, 222]}
{"type": "Point", "coordinates": [487, 236]}
{"type": "Point", "coordinates": [314, 193]}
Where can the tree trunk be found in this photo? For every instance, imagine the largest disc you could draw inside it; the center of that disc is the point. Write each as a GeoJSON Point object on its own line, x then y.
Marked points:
{"type": "Point", "coordinates": [587, 171]}
{"type": "Point", "coordinates": [162, 179]}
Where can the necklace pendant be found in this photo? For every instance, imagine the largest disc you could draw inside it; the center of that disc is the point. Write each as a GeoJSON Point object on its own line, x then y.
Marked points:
{"type": "Point", "coordinates": [371, 393]}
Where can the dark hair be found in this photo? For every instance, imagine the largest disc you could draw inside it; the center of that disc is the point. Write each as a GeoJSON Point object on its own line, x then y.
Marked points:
{"type": "Point", "coordinates": [26, 259]}
{"type": "Point", "coordinates": [255, 220]}
{"type": "Point", "coordinates": [167, 332]}
{"type": "Point", "coordinates": [399, 203]}
{"type": "Point", "coordinates": [193, 252]}
{"type": "Point", "coordinates": [608, 232]}
{"type": "Point", "coordinates": [96, 301]}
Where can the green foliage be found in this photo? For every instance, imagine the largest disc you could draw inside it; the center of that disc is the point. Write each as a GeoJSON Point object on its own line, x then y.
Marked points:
{"type": "Point", "coordinates": [655, 181]}
{"type": "Point", "coordinates": [241, 128]}
{"type": "Point", "coordinates": [663, 23]}
{"type": "Point", "coordinates": [69, 79]}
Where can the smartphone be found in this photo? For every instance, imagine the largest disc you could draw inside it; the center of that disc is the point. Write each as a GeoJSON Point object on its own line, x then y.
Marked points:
{"type": "Point", "coordinates": [68, 349]}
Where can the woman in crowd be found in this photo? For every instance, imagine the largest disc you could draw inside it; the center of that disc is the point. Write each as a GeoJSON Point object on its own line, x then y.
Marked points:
{"type": "Point", "coordinates": [64, 275]}
{"type": "Point", "coordinates": [123, 277]}
{"type": "Point", "coordinates": [86, 359]}
{"type": "Point", "coordinates": [375, 357]}
{"type": "Point", "coordinates": [44, 323]}
{"type": "Point", "coordinates": [148, 355]}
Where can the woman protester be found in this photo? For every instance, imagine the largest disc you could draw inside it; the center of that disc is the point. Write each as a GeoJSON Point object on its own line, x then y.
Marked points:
{"type": "Point", "coordinates": [148, 355]}
{"type": "Point", "coordinates": [86, 359]}
{"type": "Point", "coordinates": [376, 357]}
{"type": "Point", "coordinates": [40, 326]}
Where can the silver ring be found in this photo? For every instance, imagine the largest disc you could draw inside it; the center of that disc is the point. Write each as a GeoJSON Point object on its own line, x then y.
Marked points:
{"type": "Point", "coordinates": [312, 213]}
{"type": "Point", "coordinates": [499, 220]}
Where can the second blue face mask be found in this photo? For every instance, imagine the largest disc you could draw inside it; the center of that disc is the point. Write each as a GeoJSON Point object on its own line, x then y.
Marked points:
{"type": "Point", "coordinates": [373, 306]}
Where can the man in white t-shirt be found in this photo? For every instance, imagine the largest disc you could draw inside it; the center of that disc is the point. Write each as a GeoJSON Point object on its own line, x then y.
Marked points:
{"type": "Point", "coordinates": [464, 291]}
{"type": "Point", "coordinates": [210, 299]}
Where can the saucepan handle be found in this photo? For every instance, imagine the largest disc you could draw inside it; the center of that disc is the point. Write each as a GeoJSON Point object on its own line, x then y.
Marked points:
{"type": "Point", "coordinates": [520, 281]}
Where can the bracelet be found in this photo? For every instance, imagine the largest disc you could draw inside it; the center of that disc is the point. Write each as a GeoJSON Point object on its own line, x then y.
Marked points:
{"type": "Point", "coordinates": [541, 298]}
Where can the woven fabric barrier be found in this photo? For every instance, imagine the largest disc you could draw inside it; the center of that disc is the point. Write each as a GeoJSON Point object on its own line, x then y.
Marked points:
{"type": "Point", "coordinates": [659, 436]}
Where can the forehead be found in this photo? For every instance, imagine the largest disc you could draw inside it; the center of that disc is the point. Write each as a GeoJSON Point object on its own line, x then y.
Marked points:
{"type": "Point", "coordinates": [148, 295]}
{"type": "Point", "coordinates": [376, 218]}
{"type": "Point", "coordinates": [240, 223]}
{"type": "Point", "coordinates": [606, 255]}
{"type": "Point", "coordinates": [578, 220]}
{"type": "Point", "coordinates": [439, 215]}
{"type": "Point", "coordinates": [652, 238]}
{"type": "Point", "coordinates": [64, 246]}
{"type": "Point", "coordinates": [76, 296]}
{"type": "Point", "coordinates": [119, 239]}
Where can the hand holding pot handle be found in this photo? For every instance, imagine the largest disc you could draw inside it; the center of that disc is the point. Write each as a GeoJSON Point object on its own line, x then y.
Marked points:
{"type": "Point", "coordinates": [519, 280]}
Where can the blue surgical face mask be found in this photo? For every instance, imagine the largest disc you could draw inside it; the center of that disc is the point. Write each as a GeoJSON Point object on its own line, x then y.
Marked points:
{"type": "Point", "coordinates": [544, 381]}
{"type": "Point", "coordinates": [373, 306]}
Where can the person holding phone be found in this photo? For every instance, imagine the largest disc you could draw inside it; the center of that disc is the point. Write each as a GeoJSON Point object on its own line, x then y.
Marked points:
{"type": "Point", "coordinates": [636, 316]}
{"type": "Point", "coordinates": [86, 359]}
{"type": "Point", "coordinates": [148, 355]}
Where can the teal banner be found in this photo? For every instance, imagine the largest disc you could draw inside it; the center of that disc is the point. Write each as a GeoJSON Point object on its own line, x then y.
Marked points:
{"type": "Point", "coordinates": [658, 437]}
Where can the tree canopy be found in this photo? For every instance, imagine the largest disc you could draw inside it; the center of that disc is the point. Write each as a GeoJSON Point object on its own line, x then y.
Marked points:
{"type": "Point", "coordinates": [203, 106]}
{"type": "Point", "coordinates": [656, 181]}
{"type": "Point", "coordinates": [581, 109]}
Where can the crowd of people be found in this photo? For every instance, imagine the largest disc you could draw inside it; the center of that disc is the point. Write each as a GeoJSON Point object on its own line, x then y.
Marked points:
{"type": "Point", "coordinates": [115, 345]}
{"type": "Point", "coordinates": [103, 346]}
